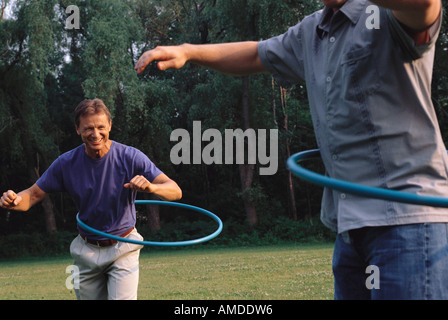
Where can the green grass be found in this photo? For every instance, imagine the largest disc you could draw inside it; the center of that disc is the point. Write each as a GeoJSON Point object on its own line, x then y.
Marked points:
{"type": "Point", "coordinates": [291, 272]}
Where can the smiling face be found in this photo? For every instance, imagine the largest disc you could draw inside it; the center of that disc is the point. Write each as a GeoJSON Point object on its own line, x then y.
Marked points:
{"type": "Point", "coordinates": [94, 130]}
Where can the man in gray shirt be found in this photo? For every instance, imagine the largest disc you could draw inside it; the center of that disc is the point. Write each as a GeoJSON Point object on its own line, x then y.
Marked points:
{"type": "Point", "coordinates": [368, 70]}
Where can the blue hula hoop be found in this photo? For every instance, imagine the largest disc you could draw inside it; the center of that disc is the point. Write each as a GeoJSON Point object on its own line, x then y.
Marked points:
{"type": "Point", "coordinates": [357, 189]}
{"type": "Point", "coordinates": [161, 244]}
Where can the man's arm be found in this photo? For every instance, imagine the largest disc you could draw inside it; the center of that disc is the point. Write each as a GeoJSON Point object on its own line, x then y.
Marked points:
{"type": "Point", "coordinates": [417, 15]}
{"type": "Point", "coordinates": [237, 58]}
{"type": "Point", "coordinates": [162, 186]}
{"type": "Point", "coordinates": [22, 201]}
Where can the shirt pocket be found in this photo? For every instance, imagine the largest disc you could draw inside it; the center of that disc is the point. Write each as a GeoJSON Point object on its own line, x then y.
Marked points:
{"type": "Point", "coordinates": [360, 74]}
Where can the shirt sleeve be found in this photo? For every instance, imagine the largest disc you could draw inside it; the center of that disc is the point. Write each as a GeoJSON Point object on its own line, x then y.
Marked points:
{"type": "Point", "coordinates": [410, 50]}
{"type": "Point", "coordinates": [282, 56]}
{"type": "Point", "coordinates": [146, 167]}
{"type": "Point", "coordinates": [52, 179]}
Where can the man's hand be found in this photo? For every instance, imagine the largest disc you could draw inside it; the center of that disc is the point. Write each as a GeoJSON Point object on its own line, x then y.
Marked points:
{"type": "Point", "coordinates": [237, 58]}
{"type": "Point", "coordinates": [141, 184]}
{"type": "Point", "coordinates": [169, 57]}
{"type": "Point", "coordinates": [162, 186]}
{"type": "Point", "coordinates": [10, 199]}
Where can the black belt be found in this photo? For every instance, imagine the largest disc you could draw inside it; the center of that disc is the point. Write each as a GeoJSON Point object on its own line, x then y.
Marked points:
{"type": "Point", "coordinates": [105, 243]}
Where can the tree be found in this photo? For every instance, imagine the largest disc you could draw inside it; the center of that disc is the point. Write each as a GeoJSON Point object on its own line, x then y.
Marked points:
{"type": "Point", "coordinates": [3, 4]}
{"type": "Point", "coordinates": [47, 69]}
{"type": "Point", "coordinates": [24, 68]}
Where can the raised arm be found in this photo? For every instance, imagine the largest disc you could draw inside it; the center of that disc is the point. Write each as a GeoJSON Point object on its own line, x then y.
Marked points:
{"type": "Point", "coordinates": [418, 15]}
{"type": "Point", "coordinates": [22, 201]}
{"type": "Point", "coordinates": [237, 58]}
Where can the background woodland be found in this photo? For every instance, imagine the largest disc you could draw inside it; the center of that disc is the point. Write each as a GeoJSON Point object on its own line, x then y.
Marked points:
{"type": "Point", "coordinates": [46, 69]}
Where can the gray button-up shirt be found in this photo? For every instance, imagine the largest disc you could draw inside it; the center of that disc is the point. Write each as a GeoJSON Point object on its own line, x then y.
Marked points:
{"type": "Point", "coordinates": [369, 91]}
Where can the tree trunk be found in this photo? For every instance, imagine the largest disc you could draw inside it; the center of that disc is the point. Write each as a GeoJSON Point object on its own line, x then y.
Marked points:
{"type": "Point", "coordinates": [247, 170]}
{"type": "Point", "coordinates": [153, 215]}
{"type": "Point", "coordinates": [47, 205]}
{"type": "Point", "coordinates": [292, 208]}
{"type": "Point", "coordinates": [50, 221]}
{"type": "Point", "coordinates": [31, 153]}
{"type": "Point", "coordinates": [246, 175]}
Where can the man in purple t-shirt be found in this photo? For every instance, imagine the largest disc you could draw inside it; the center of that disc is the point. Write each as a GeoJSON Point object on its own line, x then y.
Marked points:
{"type": "Point", "coordinates": [103, 178]}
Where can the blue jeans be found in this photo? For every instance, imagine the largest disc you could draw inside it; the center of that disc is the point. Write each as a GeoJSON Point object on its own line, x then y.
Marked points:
{"type": "Point", "coordinates": [396, 262]}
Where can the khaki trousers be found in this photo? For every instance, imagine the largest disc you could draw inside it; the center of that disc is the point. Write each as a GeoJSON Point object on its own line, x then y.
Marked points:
{"type": "Point", "coordinates": [107, 273]}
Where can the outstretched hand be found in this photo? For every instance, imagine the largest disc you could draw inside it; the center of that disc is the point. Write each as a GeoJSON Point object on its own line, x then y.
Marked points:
{"type": "Point", "coordinates": [169, 57]}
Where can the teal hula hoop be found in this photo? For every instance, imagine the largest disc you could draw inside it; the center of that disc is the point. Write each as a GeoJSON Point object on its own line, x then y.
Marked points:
{"type": "Point", "coordinates": [357, 189]}
{"type": "Point", "coordinates": [161, 244]}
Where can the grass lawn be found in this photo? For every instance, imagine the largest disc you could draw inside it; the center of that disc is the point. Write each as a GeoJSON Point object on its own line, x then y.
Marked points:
{"type": "Point", "coordinates": [290, 272]}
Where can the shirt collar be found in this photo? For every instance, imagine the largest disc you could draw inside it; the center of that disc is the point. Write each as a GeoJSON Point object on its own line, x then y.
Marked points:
{"type": "Point", "coordinates": [352, 9]}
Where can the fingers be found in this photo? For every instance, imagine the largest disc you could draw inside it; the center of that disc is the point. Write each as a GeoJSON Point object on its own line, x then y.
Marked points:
{"type": "Point", "coordinates": [171, 57]}
{"type": "Point", "coordinates": [166, 65]}
{"type": "Point", "coordinates": [144, 60]}
{"type": "Point", "coordinates": [10, 199]}
{"type": "Point", "coordinates": [138, 183]}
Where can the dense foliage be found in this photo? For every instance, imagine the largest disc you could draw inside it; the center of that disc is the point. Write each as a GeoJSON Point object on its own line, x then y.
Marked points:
{"type": "Point", "coordinates": [46, 69]}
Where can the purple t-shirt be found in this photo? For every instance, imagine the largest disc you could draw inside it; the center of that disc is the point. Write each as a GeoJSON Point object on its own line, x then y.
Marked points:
{"type": "Point", "coordinates": [96, 185]}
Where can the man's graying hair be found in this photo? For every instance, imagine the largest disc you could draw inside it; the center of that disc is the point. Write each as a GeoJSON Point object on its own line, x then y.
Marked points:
{"type": "Point", "coordinates": [88, 106]}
